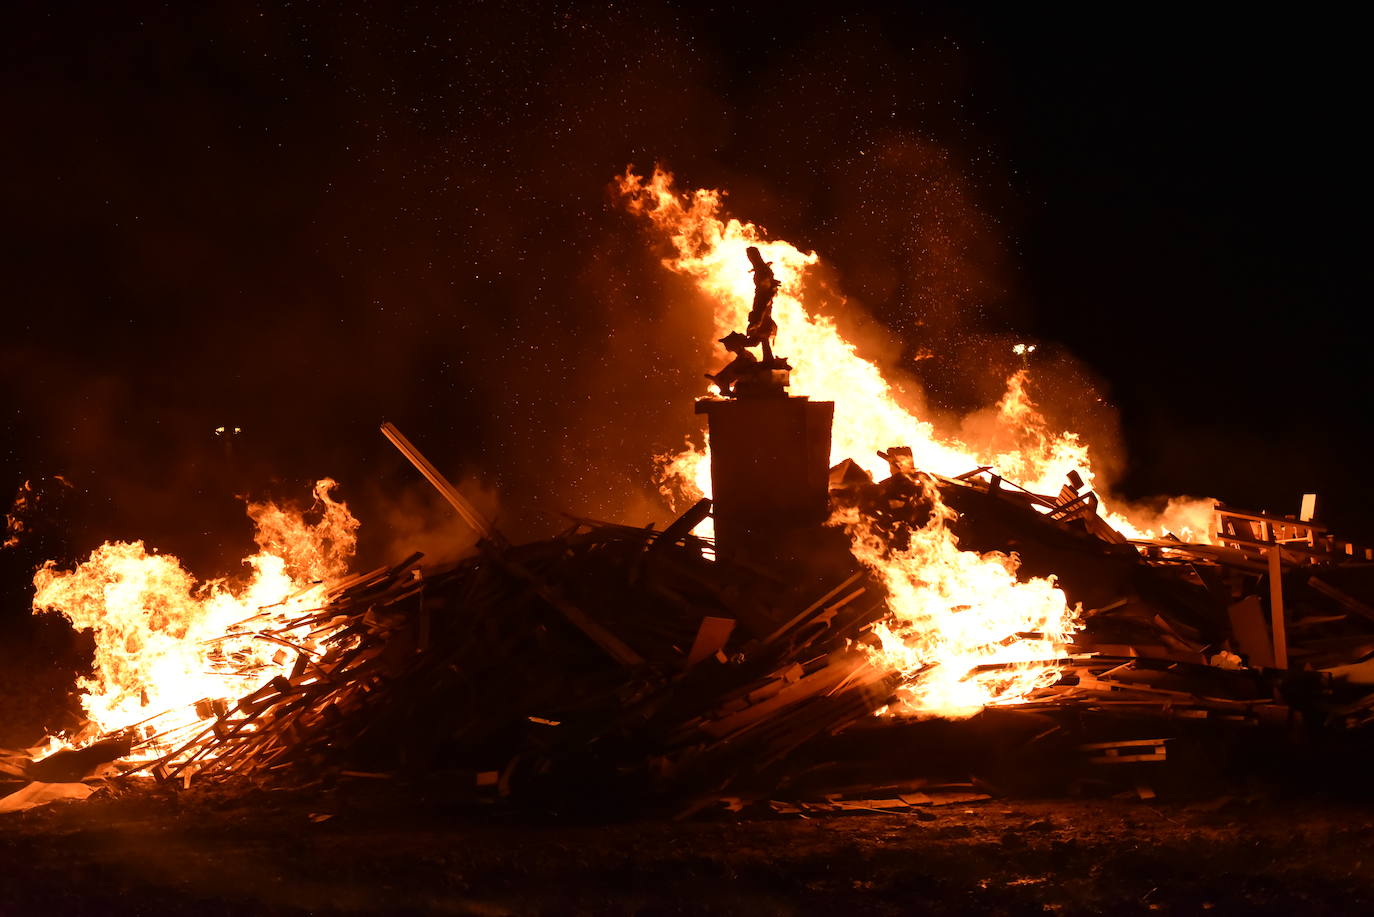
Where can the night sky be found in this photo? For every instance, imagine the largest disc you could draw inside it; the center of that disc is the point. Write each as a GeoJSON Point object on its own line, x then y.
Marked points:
{"type": "Point", "coordinates": [303, 220]}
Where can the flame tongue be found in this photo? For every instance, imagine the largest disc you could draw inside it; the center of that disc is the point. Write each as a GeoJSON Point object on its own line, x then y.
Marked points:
{"type": "Point", "coordinates": [870, 413]}
{"type": "Point", "coordinates": [160, 635]}
{"type": "Point", "coordinates": [963, 631]}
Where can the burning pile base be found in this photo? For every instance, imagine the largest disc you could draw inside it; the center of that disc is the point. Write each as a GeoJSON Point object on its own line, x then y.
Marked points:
{"type": "Point", "coordinates": [613, 660]}
{"type": "Point", "coordinates": [627, 667]}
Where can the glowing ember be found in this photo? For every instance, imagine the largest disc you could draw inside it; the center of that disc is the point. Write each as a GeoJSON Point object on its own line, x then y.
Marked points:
{"type": "Point", "coordinates": [165, 642]}
{"type": "Point", "coordinates": [952, 609]}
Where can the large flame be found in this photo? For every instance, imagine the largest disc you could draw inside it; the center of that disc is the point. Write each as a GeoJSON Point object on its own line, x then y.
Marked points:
{"type": "Point", "coordinates": [164, 641]}
{"type": "Point", "coordinates": [952, 609]}
{"type": "Point", "coordinates": [870, 412]}
{"type": "Point", "coordinates": [964, 631]}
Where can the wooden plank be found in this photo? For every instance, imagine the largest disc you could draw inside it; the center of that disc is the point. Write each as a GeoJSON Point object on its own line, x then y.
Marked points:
{"type": "Point", "coordinates": [682, 526]}
{"type": "Point", "coordinates": [801, 615]}
{"type": "Point", "coordinates": [1132, 743]}
{"type": "Point", "coordinates": [1340, 595]}
{"type": "Point", "coordinates": [1222, 510]}
{"type": "Point", "coordinates": [711, 636]}
{"type": "Point", "coordinates": [1067, 509]}
{"type": "Point", "coordinates": [1291, 548]}
{"type": "Point", "coordinates": [1277, 623]}
{"type": "Point", "coordinates": [808, 686]}
{"type": "Point", "coordinates": [465, 509]}
{"type": "Point", "coordinates": [1250, 631]}
{"type": "Point", "coordinates": [869, 805]}
{"type": "Point", "coordinates": [1126, 759]}
{"type": "Point", "coordinates": [1102, 529]}
{"type": "Point", "coordinates": [617, 648]}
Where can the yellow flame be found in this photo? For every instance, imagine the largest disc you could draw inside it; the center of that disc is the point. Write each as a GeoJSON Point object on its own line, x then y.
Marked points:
{"type": "Point", "coordinates": [964, 631]}
{"type": "Point", "coordinates": [870, 412]}
{"type": "Point", "coordinates": [950, 607]}
{"type": "Point", "coordinates": [164, 641]}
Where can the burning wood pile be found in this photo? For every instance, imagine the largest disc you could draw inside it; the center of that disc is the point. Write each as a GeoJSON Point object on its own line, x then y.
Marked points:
{"type": "Point", "coordinates": [757, 645]}
{"type": "Point", "coordinates": [609, 658]}
{"type": "Point", "coordinates": [636, 665]}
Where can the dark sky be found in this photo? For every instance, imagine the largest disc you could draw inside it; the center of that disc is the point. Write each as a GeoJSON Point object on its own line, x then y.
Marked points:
{"type": "Point", "coordinates": [304, 219]}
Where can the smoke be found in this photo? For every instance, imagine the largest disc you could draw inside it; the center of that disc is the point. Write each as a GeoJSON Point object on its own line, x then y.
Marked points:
{"type": "Point", "coordinates": [310, 224]}
{"type": "Point", "coordinates": [368, 244]}
{"type": "Point", "coordinates": [418, 519]}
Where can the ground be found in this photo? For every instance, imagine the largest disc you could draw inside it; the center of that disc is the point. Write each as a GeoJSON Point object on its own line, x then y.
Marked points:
{"type": "Point", "coordinates": [270, 852]}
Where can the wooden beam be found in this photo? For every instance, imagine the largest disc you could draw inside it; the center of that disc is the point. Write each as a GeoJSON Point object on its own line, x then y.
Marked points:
{"type": "Point", "coordinates": [1248, 633]}
{"type": "Point", "coordinates": [618, 649]}
{"type": "Point", "coordinates": [1276, 620]}
{"type": "Point", "coordinates": [810, 609]}
{"type": "Point", "coordinates": [470, 514]}
{"type": "Point", "coordinates": [711, 636]}
{"type": "Point", "coordinates": [1261, 517]}
{"type": "Point", "coordinates": [1341, 596]}
{"type": "Point", "coordinates": [1294, 548]}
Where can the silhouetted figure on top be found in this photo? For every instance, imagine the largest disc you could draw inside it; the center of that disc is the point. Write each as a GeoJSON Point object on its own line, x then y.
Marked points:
{"type": "Point", "coordinates": [762, 328]}
{"type": "Point", "coordinates": [741, 367]}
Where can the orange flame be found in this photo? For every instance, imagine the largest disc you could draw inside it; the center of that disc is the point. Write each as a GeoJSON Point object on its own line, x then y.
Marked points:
{"type": "Point", "coordinates": [964, 631]}
{"type": "Point", "coordinates": [165, 641]}
{"type": "Point", "coordinates": [871, 413]}
{"type": "Point", "coordinates": [950, 607]}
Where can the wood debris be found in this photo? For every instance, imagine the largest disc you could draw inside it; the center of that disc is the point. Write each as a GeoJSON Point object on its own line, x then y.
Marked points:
{"type": "Point", "coordinates": [615, 662]}
{"type": "Point", "coordinates": [609, 653]}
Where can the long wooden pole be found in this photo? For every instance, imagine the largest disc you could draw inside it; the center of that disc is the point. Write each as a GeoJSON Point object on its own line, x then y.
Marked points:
{"type": "Point", "coordinates": [1276, 619]}
{"type": "Point", "coordinates": [470, 514]}
{"type": "Point", "coordinates": [608, 641]}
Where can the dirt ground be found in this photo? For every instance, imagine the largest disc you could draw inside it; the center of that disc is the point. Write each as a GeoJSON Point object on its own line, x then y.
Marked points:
{"type": "Point", "coordinates": [361, 852]}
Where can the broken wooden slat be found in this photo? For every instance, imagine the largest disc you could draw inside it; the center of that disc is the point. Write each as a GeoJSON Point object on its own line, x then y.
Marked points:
{"type": "Point", "coordinates": [1341, 596]}
{"type": "Point", "coordinates": [617, 648]}
{"type": "Point", "coordinates": [711, 636]}
{"type": "Point", "coordinates": [466, 510]}
{"type": "Point", "coordinates": [810, 609]}
{"type": "Point", "coordinates": [1276, 617]}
